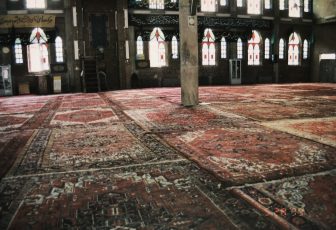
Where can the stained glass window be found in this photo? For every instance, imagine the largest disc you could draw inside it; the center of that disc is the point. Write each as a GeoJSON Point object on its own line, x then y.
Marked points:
{"type": "Point", "coordinates": [239, 49]}
{"type": "Point", "coordinates": [208, 48]}
{"type": "Point", "coordinates": [223, 48]}
{"type": "Point", "coordinates": [157, 49]}
{"type": "Point", "coordinates": [174, 48]}
{"type": "Point", "coordinates": [267, 48]}
{"type": "Point", "coordinates": [293, 49]}
{"type": "Point", "coordinates": [253, 7]}
{"type": "Point", "coordinates": [59, 49]}
{"type": "Point", "coordinates": [208, 5]}
{"type": "Point", "coordinates": [294, 8]}
{"type": "Point", "coordinates": [281, 49]}
{"type": "Point", "coordinates": [18, 51]}
{"type": "Point", "coordinates": [254, 49]}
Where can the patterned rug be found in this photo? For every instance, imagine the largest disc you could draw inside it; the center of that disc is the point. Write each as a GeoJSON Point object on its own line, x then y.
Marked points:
{"type": "Point", "coordinates": [137, 159]}
{"type": "Point", "coordinates": [305, 202]}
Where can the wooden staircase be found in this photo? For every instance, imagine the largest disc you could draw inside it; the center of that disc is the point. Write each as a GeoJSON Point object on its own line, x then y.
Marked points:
{"type": "Point", "coordinates": [91, 81]}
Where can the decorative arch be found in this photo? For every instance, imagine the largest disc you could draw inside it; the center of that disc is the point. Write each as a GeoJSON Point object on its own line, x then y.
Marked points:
{"type": "Point", "coordinates": [294, 43]}
{"type": "Point", "coordinates": [38, 54]}
{"type": "Point", "coordinates": [208, 48]}
{"type": "Point", "coordinates": [157, 50]}
{"type": "Point", "coordinates": [254, 48]}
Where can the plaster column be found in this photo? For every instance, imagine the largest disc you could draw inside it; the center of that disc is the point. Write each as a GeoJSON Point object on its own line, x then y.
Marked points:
{"type": "Point", "coordinates": [189, 54]}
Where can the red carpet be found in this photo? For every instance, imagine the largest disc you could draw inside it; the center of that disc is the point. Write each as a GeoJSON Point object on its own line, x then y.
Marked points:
{"type": "Point", "coordinates": [138, 159]}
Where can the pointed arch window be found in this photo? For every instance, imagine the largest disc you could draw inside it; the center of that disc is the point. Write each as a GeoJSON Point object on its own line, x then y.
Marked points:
{"type": "Point", "coordinates": [174, 48]}
{"type": "Point", "coordinates": [156, 4]}
{"type": "Point", "coordinates": [294, 8]}
{"type": "Point", "coordinates": [140, 49]}
{"type": "Point", "coordinates": [294, 49]}
{"type": "Point", "coordinates": [305, 49]}
{"type": "Point", "coordinates": [253, 7]}
{"type": "Point", "coordinates": [282, 4]}
{"type": "Point", "coordinates": [281, 49]}
{"type": "Point", "coordinates": [157, 49]}
{"type": "Point", "coordinates": [267, 4]}
{"type": "Point", "coordinates": [239, 49]}
{"type": "Point", "coordinates": [18, 51]}
{"type": "Point", "coordinates": [59, 49]}
{"type": "Point", "coordinates": [254, 49]}
{"type": "Point", "coordinates": [267, 48]}
{"type": "Point", "coordinates": [35, 4]}
{"type": "Point", "coordinates": [38, 55]}
{"type": "Point", "coordinates": [306, 6]}
{"type": "Point", "coordinates": [208, 48]}
{"type": "Point", "coordinates": [208, 5]}
{"type": "Point", "coordinates": [223, 48]}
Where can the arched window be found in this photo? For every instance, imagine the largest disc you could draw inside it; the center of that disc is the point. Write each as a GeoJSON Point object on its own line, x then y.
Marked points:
{"type": "Point", "coordinates": [208, 5]}
{"type": "Point", "coordinates": [157, 50]}
{"type": "Point", "coordinates": [281, 49]}
{"type": "Point", "coordinates": [293, 49]}
{"type": "Point", "coordinates": [59, 49]}
{"type": "Point", "coordinates": [294, 8]}
{"type": "Point", "coordinates": [173, 1]}
{"type": "Point", "coordinates": [208, 48]}
{"type": "Point", "coordinates": [38, 56]}
{"type": "Point", "coordinates": [305, 49]}
{"type": "Point", "coordinates": [239, 49]}
{"type": "Point", "coordinates": [267, 4]}
{"type": "Point", "coordinates": [267, 48]}
{"type": "Point", "coordinates": [223, 48]}
{"type": "Point", "coordinates": [282, 4]}
{"type": "Point", "coordinates": [253, 7]}
{"type": "Point", "coordinates": [306, 6]}
{"type": "Point", "coordinates": [35, 4]}
{"type": "Point", "coordinates": [139, 49]}
{"type": "Point", "coordinates": [239, 3]}
{"type": "Point", "coordinates": [156, 4]}
{"type": "Point", "coordinates": [254, 49]}
{"type": "Point", "coordinates": [174, 48]}
{"type": "Point", "coordinates": [223, 2]}
{"type": "Point", "coordinates": [18, 51]}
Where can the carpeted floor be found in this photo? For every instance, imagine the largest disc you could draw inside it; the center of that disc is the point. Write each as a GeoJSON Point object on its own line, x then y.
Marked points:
{"type": "Point", "coordinates": [248, 157]}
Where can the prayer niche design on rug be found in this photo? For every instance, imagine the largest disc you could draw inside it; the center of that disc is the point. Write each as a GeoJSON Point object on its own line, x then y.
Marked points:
{"type": "Point", "coordinates": [84, 116]}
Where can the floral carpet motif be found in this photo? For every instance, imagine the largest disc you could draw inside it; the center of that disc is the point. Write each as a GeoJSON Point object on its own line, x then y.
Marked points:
{"type": "Point", "coordinates": [311, 195]}
{"type": "Point", "coordinates": [251, 154]}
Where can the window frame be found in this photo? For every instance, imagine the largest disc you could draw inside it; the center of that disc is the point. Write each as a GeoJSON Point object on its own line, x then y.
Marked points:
{"type": "Point", "coordinates": [29, 2]}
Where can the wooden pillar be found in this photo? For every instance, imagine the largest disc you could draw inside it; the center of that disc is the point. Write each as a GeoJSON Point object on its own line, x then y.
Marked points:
{"type": "Point", "coordinates": [189, 54]}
